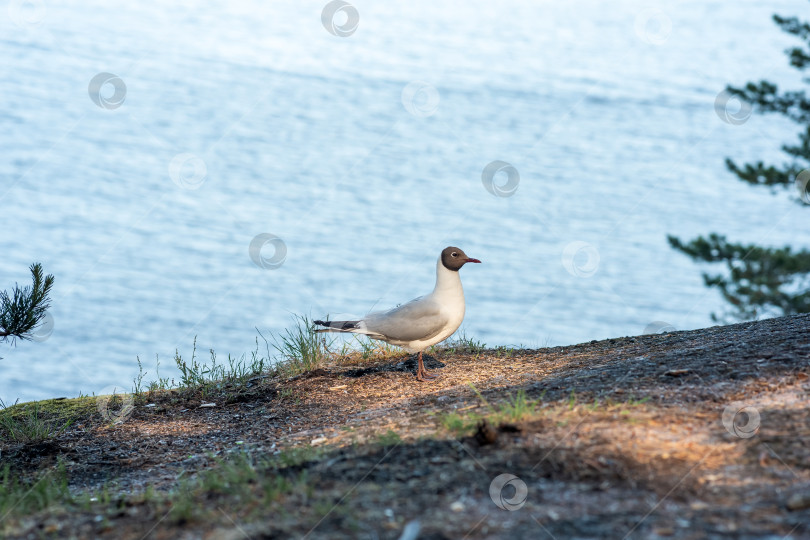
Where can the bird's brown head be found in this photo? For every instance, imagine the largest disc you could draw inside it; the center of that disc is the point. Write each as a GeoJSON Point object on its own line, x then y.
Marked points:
{"type": "Point", "coordinates": [453, 258]}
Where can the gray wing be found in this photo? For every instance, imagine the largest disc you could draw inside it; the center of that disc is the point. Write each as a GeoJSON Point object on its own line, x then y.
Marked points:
{"type": "Point", "coordinates": [418, 319]}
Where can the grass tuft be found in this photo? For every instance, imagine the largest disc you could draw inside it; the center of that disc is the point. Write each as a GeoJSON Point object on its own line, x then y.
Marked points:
{"type": "Point", "coordinates": [208, 377]}
{"type": "Point", "coordinates": [518, 407]}
{"type": "Point", "coordinates": [389, 438]}
{"type": "Point", "coordinates": [301, 349]}
{"type": "Point", "coordinates": [31, 423]}
{"type": "Point", "coordinates": [20, 498]}
{"type": "Point", "coordinates": [464, 344]}
{"type": "Point", "coordinates": [460, 424]}
{"type": "Point", "coordinates": [515, 409]}
{"type": "Point", "coordinates": [365, 349]}
{"type": "Point", "coordinates": [250, 482]}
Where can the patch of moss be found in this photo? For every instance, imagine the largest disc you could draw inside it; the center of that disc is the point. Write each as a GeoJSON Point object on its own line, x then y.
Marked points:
{"type": "Point", "coordinates": [40, 420]}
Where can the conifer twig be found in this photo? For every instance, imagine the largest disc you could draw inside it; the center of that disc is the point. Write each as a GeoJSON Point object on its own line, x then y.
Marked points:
{"type": "Point", "coordinates": [22, 310]}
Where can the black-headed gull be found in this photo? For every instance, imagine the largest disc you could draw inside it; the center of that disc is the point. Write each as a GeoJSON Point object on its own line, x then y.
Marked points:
{"type": "Point", "coordinates": [423, 321]}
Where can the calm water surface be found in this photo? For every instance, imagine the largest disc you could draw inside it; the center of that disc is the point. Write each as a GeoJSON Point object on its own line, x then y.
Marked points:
{"type": "Point", "coordinates": [364, 154]}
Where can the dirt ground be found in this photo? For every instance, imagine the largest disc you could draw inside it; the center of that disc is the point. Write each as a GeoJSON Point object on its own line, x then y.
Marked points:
{"type": "Point", "coordinates": [698, 434]}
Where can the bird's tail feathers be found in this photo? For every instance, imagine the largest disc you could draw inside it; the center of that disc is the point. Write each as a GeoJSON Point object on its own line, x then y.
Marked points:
{"type": "Point", "coordinates": [338, 326]}
{"type": "Point", "coordinates": [352, 327]}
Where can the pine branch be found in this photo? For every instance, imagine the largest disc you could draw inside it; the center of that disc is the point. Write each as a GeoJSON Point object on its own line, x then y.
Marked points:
{"type": "Point", "coordinates": [799, 58]}
{"type": "Point", "coordinates": [759, 174]}
{"type": "Point", "coordinates": [792, 25]}
{"type": "Point", "coordinates": [759, 279]}
{"type": "Point", "coordinates": [23, 309]}
{"type": "Point", "coordinates": [766, 98]}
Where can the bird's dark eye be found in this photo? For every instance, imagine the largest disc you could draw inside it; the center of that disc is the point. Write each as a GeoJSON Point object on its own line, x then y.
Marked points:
{"type": "Point", "coordinates": [454, 254]}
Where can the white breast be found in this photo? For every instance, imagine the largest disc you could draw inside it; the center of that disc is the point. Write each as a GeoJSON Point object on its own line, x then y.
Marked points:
{"type": "Point", "coordinates": [449, 294]}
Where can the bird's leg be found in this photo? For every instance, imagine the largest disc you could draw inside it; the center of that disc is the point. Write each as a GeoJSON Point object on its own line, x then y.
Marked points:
{"type": "Point", "coordinates": [421, 374]}
{"type": "Point", "coordinates": [419, 367]}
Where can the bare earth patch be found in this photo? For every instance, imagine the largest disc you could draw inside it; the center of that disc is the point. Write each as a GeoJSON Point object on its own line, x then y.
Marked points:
{"type": "Point", "coordinates": [625, 438]}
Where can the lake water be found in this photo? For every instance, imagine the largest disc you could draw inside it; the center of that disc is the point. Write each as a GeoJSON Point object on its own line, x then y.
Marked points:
{"type": "Point", "coordinates": [364, 155]}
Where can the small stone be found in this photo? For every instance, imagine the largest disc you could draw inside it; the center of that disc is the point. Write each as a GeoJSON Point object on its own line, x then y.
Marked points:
{"type": "Point", "coordinates": [799, 501]}
{"type": "Point", "coordinates": [457, 506]}
{"type": "Point", "coordinates": [728, 526]}
{"type": "Point", "coordinates": [411, 530]}
{"type": "Point", "coordinates": [318, 440]}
